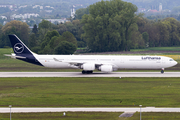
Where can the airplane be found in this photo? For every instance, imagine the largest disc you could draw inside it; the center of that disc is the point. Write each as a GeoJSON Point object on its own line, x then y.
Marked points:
{"type": "Point", "coordinates": [88, 63]}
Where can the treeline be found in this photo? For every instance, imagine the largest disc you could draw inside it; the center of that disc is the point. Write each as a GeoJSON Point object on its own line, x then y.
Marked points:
{"type": "Point", "coordinates": [47, 38]}
{"type": "Point", "coordinates": [116, 27]}
{"type": "Point", "coordinates": [105, 26]}
{"type": "Point", "coordinates": [162, 33]}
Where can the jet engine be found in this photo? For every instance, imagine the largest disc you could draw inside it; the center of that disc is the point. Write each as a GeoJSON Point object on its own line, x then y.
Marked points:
{"type": "Point", "coordinates": [88, 67]}
{"type": "Point", "coordinates": [106, 68]}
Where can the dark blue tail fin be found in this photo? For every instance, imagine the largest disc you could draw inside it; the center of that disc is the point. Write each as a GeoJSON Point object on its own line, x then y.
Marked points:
{"type": "Point", "coordinates": [18, 46]}
{"type": "Point", "coordinates": [22, 52]}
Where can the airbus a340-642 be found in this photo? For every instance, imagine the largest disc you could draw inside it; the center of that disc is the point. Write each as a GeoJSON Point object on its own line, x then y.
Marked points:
{"type": "Point", "coordinates": [88, 63]}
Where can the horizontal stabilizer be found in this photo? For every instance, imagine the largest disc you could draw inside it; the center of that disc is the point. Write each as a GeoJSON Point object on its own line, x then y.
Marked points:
{"type": "Point", "coordinates": [14, 56]}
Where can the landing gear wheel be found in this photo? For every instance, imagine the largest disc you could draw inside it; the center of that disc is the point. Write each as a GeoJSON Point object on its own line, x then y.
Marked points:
{"type": "Point", "coordinates": [162, 71]}
{"type": "Point", "coordinates": [83, 72]}
{"type": "Point", "coordinates": [87, 72]}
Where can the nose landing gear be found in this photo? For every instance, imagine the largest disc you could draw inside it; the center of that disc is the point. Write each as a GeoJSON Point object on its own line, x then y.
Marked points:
{"type": "Point", "coordinates": [162, 71]}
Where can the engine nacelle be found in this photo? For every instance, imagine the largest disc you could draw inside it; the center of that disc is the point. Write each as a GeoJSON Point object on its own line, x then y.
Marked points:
{"type": "Point", "coordinates": [88, 67]}
{"type": "Point", "coordinates": [106, 68]}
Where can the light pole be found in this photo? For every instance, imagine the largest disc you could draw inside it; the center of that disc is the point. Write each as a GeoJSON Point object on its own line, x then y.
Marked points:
{"type": "Point", "coordinates": [10, 110]}
{"type": "Point", "coordinates": [140, 111]}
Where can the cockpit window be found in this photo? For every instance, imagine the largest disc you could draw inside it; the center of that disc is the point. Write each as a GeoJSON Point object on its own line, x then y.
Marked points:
{"type": "Point", "coordinates": [171, 60]}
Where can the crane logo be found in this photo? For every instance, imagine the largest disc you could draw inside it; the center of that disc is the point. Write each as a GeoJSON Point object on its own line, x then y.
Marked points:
{"type": "Point", "coordinates": [18, 48]}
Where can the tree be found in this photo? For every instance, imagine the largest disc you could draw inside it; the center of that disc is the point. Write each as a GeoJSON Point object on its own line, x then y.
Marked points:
{"type": "Point", "coordinates": [80, 12]}
{"type": "Point", "coordinates": [145, 36]}
{"type": "Point", "coordinates": [32, 40]}
{"type": "Point", "coordinates": [65, 48]}
{"type": "Point", "coordinates": [51, 34]}
{"type": "Point", "coordinates": [69, 37]}
{"type": "Point", "coordinates": [35, 29]}
{"type": "Point", "coordinates": [61, 28]}
{"type": "Point", "coordinates": [19, 28]}
{"type": "Point", "coordinates": [45, 24]}
{"type": "Point", "coordinates": [164, 34]}
{"type": "Point", "coordinates": [173, 29]}
{"type": "Point", "coordinates": [137, 41]}
{"type": "Point", "coordinates": [151, 27]}
{"type": "Point", "coordinates": [79, 31]}
{"type": "Point", "coordinates": [108, 26]}
{"type": "Point", "coordinates": [53, 41]}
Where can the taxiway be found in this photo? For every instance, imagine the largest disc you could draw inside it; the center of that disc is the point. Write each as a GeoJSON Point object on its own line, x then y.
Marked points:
{"type": "Point", "coordinates": [96, 74]}
{"type": "Point", "coordinates": [36, 110]}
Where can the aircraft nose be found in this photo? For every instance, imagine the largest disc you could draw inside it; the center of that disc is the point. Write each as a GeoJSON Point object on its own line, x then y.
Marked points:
{"type": "Point", "coordinates": [175, 63]}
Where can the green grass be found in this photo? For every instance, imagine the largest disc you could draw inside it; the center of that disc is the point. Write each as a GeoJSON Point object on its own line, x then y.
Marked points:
{"type": "Point", "coordinates": [89, 116]}
{"type": "Point", "coordinates": [158, 49]}
{"type": "Point", "coordinates": [89, 92]}
{"type": "Point", "coordinates": [155, 116]}
{"type": "Point", "coordinates": [59, 116]}
{"type": "Point", "coordinates": [9, 65]}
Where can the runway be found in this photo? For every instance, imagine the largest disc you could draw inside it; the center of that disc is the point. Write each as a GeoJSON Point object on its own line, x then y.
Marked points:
{"type": "Point", "coordinates": [96, 74]}
{"type": "Point", "coordinates": [36, 110]}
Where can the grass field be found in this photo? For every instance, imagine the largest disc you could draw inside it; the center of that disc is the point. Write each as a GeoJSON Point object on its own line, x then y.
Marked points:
{"type": "Point", "coordinates": [158, 49]}
{"type": "Point", "coordinates": [89, 116]}
{"type": "Point", "coordinates": [89, 92]}
{"type": "Point", "coordinates": [154, 116]}
{"type": "Point", "coordinates": [59, 116]}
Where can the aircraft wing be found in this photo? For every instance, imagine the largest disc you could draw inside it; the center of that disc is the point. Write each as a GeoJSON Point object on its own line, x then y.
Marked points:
{"type": "Point", "coordinates": [70, 62]}
{"type": "Point", "coordinates": [76, 63]}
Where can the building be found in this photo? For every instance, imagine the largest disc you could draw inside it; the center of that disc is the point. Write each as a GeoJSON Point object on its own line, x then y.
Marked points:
{"type": "Point", "coordinates": [141, 10]}
{"type": "Point", "coordinates": [9, 6]}
{"type": "Point", "coordinates": [153, 11]}
{"type": "Point", "coordinates": [59, 21]}
{"type": "Point", "coordinates": [160, 7]}
{"type": "Point", "coordinates": [73, 12]}
{"type": "Point", "coordinates": [3, 17]}
{"type": "Point", "coordinates": [25, 16]}
{"type": "Point", "coordinates": [38, 6]}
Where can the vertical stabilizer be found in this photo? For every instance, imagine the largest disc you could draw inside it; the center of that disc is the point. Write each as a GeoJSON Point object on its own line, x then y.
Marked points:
{"type": "Point", "coordinates": [18, 46]}
{"type": "Point", "coordinates": [22, 52]}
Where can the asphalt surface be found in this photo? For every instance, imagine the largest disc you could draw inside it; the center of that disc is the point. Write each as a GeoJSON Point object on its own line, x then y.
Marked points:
{"type": "Point", "coordinates": [126, 110]}
{"type": "Point", "coordinates": [97, 74]}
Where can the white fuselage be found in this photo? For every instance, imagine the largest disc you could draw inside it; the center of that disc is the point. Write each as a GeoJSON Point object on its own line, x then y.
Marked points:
{"type": "Point", "coordinates": [117, 61]}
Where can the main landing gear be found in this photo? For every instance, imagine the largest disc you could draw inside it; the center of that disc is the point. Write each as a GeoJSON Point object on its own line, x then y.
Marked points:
{"type": "Point", "coordinates": [162, 71]}
{"type": "Point", "coordinates": [87, 72]}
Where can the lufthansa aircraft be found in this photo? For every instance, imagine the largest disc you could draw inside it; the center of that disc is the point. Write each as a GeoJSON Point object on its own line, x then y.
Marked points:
{"type": "Point", "coordinates": [88, 63]}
